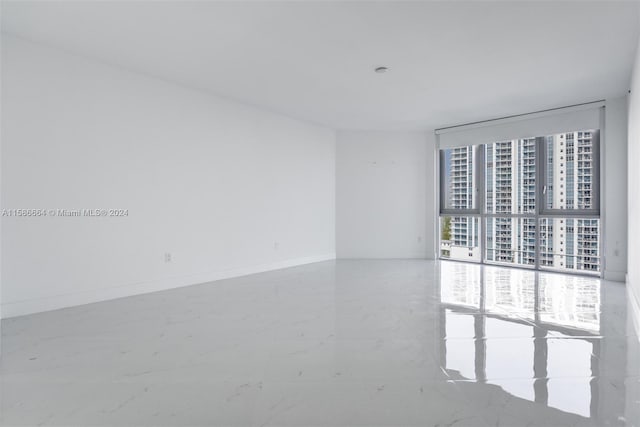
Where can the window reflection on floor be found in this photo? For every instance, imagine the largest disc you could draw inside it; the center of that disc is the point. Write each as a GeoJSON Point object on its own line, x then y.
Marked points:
{"type": "Point", "coordinates": [569, 365]}
{"type": "Point", "coordinates": [510, 358]}
{"type": "Point", "coordinates": [571, 301]}
{"type": "Point", "coordinates": [462, 283]}
{"type": "Point", "coordinates": [460, 344]}
{"type": "Point", "coordinates": [510, 292]}
{"type": "Point", "coordinates": [533, 334]}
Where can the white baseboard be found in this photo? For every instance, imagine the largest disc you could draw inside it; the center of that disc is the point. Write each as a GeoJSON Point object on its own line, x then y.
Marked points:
{"type": "Point", "coordinates": [383, 256]}
{"type": "Point", "coordinates": [38, 305]}
{"type": "Point", "coordinates": [615, 276]}
{"type": "Point", "coordinates": [634, 306]}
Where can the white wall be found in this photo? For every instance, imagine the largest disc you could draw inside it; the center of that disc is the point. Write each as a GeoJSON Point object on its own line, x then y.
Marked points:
{"type": "Point", "coordinates": [384, 195]}
{"type": "Point", "coordinates": [227, 189]}
{"type": "Point", "coordinates": [614, 190]}
{"type": "Point", "coordinates": [633, 277]}
{"type": "Point", "coordinates": [632, 412]}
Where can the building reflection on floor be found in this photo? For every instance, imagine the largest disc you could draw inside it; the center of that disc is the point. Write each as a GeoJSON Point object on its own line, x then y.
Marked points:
{"type": "Point", "coordinates": [538, 336]}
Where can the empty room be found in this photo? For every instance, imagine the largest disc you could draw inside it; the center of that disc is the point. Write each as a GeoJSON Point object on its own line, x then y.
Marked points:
{"type": "Point", "coordinates": [319, 213]}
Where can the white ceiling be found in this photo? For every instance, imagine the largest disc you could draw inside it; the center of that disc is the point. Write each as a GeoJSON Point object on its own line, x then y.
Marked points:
{"type": "Point", "coordinates": [451, 62]}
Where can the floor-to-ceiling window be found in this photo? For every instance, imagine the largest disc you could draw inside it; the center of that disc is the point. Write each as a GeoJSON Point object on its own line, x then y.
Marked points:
{"type": "Point", "coordinates": [530, 202]}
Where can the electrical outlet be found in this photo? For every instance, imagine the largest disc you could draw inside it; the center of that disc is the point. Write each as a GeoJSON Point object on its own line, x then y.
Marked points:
{"type": "Point", "coordinates": [167, 257]}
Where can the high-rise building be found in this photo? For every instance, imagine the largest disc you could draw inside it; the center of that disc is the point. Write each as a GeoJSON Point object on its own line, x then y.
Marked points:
{"type": "Point", "coordinates": [510, 188]}
{"type": "Point", "coordinates": [570, 243]}
{"type": "Point", "coordinates": [464, 230]}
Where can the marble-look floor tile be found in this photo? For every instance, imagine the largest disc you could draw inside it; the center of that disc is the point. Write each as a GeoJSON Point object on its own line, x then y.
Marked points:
{"type": "Point", "coordinates": [340, 343]}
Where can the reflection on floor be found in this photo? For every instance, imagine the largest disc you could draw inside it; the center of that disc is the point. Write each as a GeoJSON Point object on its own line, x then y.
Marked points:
{"type": "Point", "coordinates": [336, 343]}
{"type": "Point", "coordinates": [535, 335]}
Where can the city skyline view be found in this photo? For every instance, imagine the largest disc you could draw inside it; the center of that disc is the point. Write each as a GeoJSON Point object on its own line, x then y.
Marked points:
{"type": "Point", "coordinates": [514, 233]}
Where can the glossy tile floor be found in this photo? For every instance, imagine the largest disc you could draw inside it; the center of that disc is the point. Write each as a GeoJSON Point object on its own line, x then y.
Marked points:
{"type": "Point", "coordinates": [336, 343]}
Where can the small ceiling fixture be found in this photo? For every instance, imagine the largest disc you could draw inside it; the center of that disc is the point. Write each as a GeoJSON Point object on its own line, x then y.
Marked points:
{"type": "Point", "coordinates": [381, 70]}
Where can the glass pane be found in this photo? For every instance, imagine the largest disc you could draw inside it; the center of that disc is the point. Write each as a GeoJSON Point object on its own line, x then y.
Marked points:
{"type": "Point", "coordinates": [511, 240]}
{"type": "Point", "coordinates": [459, 177]}
{"type": "Point", "coordinates": [570, 180]}
{"type": "Point", "coordinates": [510, 176]}
{"type": "Point", "coordinates": [570, 244]}
{"type": "Point", "coordinates": [459, 238]}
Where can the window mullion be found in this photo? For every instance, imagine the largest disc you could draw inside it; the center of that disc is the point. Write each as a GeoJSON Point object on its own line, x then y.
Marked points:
{"type": "Point", "coordinates": [481, 201]}
{"type": "Point", "coordinates": [540, 173]}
